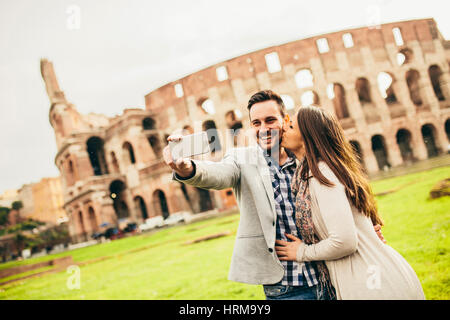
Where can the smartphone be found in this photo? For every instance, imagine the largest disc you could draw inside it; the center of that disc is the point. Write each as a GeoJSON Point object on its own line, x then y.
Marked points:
{"type": "Point", "coordinates": [190, 145]}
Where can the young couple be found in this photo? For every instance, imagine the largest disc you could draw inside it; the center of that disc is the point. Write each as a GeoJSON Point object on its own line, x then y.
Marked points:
{"type": "Point", "coordinates": [309, 226]}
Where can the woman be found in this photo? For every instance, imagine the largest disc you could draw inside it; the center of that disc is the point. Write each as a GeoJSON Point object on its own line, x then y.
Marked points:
{"type": "Point", "coordinates": [336, 211]}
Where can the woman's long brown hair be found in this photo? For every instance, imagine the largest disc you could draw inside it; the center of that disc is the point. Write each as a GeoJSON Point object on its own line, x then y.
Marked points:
{"type": "Point", "coordinates": [324, 140]}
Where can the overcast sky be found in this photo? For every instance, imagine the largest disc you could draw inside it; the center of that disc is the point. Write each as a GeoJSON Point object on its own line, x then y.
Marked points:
{"type": "Point", "coordinates": [118, 51]}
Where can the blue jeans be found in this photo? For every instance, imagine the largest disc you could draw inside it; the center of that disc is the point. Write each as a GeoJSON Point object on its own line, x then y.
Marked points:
{"type": "Point", "coordinates": [281, 292]}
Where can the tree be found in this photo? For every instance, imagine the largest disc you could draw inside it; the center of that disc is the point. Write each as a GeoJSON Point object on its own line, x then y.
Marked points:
{"type": "Point", "coordinates": [4, 212]}
{"type": "Point", "coordinates": [17, 205]}
{"type": "Point", "coordinates": [20, 241]}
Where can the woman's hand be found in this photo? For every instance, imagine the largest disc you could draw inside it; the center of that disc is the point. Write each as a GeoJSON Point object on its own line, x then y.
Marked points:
{"type": "Point", "coordinates": [377, 228]}
{"type": "Point", "coordinates": [287, 251]}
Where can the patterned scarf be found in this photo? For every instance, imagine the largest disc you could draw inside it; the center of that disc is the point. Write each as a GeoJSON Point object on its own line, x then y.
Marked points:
{"type": "Point", "coordinates": [303, 219]}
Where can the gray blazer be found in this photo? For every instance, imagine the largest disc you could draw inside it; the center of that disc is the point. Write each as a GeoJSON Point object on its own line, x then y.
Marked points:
{"type": "Point", "coordinates": [254, 259]}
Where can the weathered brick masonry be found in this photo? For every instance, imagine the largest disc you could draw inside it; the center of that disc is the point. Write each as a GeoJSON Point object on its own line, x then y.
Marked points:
{"type": "Point", "coordinates": [389, 87]}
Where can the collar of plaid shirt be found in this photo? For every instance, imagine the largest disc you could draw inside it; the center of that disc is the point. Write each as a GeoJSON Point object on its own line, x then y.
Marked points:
{"type": "Point", "coordinates": [275, 162]}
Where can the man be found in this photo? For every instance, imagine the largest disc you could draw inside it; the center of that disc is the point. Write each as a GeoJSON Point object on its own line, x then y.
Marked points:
{"type": "Point", "coordinates": [260, 177]}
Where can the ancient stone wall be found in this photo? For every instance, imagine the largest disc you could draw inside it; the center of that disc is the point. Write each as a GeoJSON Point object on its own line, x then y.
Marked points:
{"type": "Point", "coordinates": [388, 86]}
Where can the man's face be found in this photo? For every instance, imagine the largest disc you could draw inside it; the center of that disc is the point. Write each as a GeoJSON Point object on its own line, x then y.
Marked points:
{"type": "Point", "coordinates": [267, 122]}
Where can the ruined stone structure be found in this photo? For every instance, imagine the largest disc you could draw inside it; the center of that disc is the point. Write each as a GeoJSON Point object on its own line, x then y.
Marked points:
{"type": "Point", "coordinates": [388, 86]}
{"type": "Point", "coordinates": [47, 201]}
{"type": "Point", "coordinates": [41, 201]}
{"type": "Point", "coordinates": [112, 168]}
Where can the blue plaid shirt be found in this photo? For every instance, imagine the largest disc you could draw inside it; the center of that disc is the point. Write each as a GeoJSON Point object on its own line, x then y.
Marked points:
{"type": "Point", "coordinates": [295, 273]}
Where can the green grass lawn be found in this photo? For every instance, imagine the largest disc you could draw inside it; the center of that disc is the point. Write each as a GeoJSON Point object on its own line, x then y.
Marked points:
{"type": "Point", "coordinates": [161, 266]}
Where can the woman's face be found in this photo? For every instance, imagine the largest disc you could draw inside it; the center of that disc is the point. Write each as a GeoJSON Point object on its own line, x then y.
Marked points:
{"type": "Point", "coordinates": [292, 138]}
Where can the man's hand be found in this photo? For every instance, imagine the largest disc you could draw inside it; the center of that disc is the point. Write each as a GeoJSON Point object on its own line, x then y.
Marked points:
{"type": "Point", "coordinates": [287, 251]}
{"type": "Point", "coordinates": [183, 167]}
{"type": "Point", "coordinates": [377, 228]}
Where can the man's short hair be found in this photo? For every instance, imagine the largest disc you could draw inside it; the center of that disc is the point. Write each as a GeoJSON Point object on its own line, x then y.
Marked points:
{"type": "Point", "coordinates": [267, 95]}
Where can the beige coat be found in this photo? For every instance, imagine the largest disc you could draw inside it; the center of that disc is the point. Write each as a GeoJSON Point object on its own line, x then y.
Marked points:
{"type": "Point", "coordinates": [361, 266]}
{"type": "Point", "coordinates": [254, 259]}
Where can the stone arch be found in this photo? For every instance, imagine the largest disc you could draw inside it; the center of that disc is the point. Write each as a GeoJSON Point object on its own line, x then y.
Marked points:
{"type": "Point", "coordinates": [336, 93]}
{"type": "Point", "coordinates": [429, 135]}
{"type": "Point", "coordinates": [92, 219]}
{"type": "Point", "coordinates": [160, 203]}
{"type": "Point", "coordinates": [140, 207]}
{"type": "Point", "coordinates": [186, 196]}
{"type": "Point", "coordinates": [70, 173]}
{"type": "Point", "coordinates": [234, 124]}
{"type": "Point", "coordinates": [404, 56]}
{"type": "Point", "coordinates": [358, 151]}
{"type": "Point", "coordinates": [115, 163]}
{"type": "Point", "coordinates": [129, 152]}
{"type": "Point", "coordinates": [380, 151]}
{"type": "Point", "coordinates": [95, 148]}
{"type": "Point", "coordinates": [199, 200]}
{"type": "Point", "coordinates": [304, 79]}
{"type": "Point", "coordinates": [81, 223]}
{"type": "Point", "coordinates": [362, 87]}
{"type": "Point", "coordinates": [413, 81]}
{"type": "Point", "coordinates": [155, 143]}
{"type": "Point", "coordinates": [404, 138]}
{"type": "Point", "coordinates": [288, 102]}
{"type": "Point", "coordinates": [310, 98]}
{"type": "Point", "coordinates": [165, 139]}
{"type": "Point", "coordinates": [213, 135]}
{"type": "Point", "coordinates": [435, 74]}
{"type": "Point", "coordinates": [206, 203]}
{"type": "Point", "coordinates": [207, 106]}
{"type": "Point", "coordinates": [386, 82]}
{"type": "Point", "coordinates": [117, 190]}
{"type": "Point", "coordinates": [447, 129]}
{"type": "Point", "coordinates": [149, 123]}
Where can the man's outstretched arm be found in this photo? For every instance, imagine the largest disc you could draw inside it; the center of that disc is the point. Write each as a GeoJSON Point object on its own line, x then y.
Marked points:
{"type": "Point", "coordinates": [203, 174]}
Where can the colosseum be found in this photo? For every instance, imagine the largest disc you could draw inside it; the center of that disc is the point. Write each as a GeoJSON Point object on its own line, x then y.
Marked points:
{"type": "Point", "coordinates": [388, 85]}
